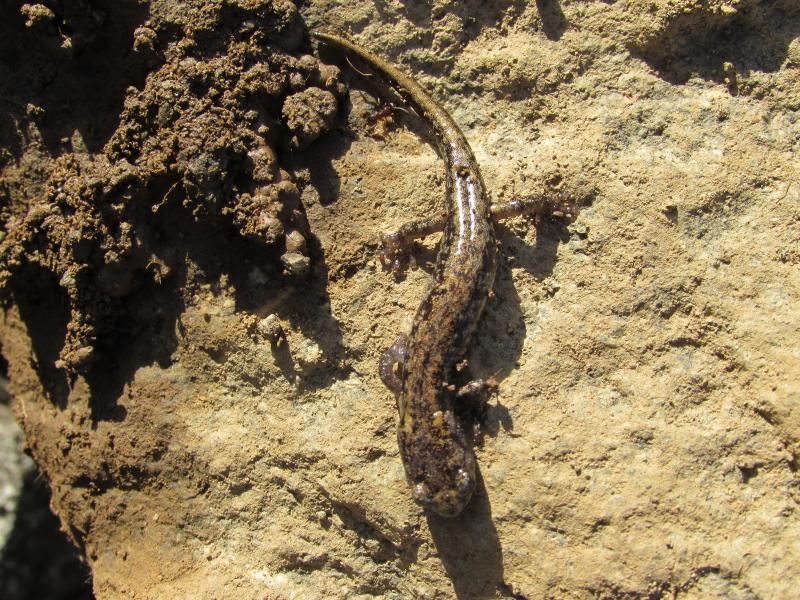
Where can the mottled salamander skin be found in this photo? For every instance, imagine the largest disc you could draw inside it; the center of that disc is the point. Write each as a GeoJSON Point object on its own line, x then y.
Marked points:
{"type": "Point", "coordinates": [438, 458]}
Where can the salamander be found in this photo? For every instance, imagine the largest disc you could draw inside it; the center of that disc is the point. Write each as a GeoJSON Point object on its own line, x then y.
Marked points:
{"type": "Point", "coordinates": [421, 367]}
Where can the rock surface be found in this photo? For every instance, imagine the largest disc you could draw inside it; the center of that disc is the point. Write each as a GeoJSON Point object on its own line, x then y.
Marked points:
{"type": "Point", "coordinates": [36, 559]}
{"type": "Point", "coordinates": [213, 425]}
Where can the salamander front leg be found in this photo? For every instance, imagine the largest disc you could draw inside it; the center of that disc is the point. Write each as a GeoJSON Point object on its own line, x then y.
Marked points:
{"type": "Point", "coordinates": [397, 244]}
{"type": "Point", "coordinates": [392, 365]}
{"type": "Point", "coordinates": [471, 402]}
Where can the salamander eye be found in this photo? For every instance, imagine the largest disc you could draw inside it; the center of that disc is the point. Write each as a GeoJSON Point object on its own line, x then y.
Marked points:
{"type": "Point", "coordinates": [422, 493]}
{"type": "Point", "coordinates": [464, 481]}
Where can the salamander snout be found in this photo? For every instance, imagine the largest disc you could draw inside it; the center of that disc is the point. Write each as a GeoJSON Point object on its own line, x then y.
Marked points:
{"type": "Point", "coordinates": [449, 500]}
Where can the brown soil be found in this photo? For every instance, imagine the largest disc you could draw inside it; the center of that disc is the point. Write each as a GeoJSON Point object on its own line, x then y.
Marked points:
{"type": "Point", "coordinates": [194, 307]}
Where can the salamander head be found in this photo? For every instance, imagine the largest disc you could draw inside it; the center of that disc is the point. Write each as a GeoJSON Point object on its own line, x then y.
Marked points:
{"type": "Point", "coordinates": [438, 460]}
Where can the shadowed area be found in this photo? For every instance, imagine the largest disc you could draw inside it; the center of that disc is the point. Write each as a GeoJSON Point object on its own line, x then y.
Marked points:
{"type": "Point", "coordinates": [703, 42]}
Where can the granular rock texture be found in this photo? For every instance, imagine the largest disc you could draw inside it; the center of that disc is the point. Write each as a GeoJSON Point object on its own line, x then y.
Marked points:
{"type": "Point", "coordinates": [194, 306]}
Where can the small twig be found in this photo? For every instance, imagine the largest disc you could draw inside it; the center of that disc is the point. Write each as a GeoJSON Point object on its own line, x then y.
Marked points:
{"type": "Point", "coordinates": [352, 66]}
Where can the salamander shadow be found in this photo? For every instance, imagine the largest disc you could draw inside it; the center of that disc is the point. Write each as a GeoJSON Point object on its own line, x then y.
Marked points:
{"type": "Point", "coordinates": [502, 331]}
{"type": "Point", "coordinates": [469, 548]}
